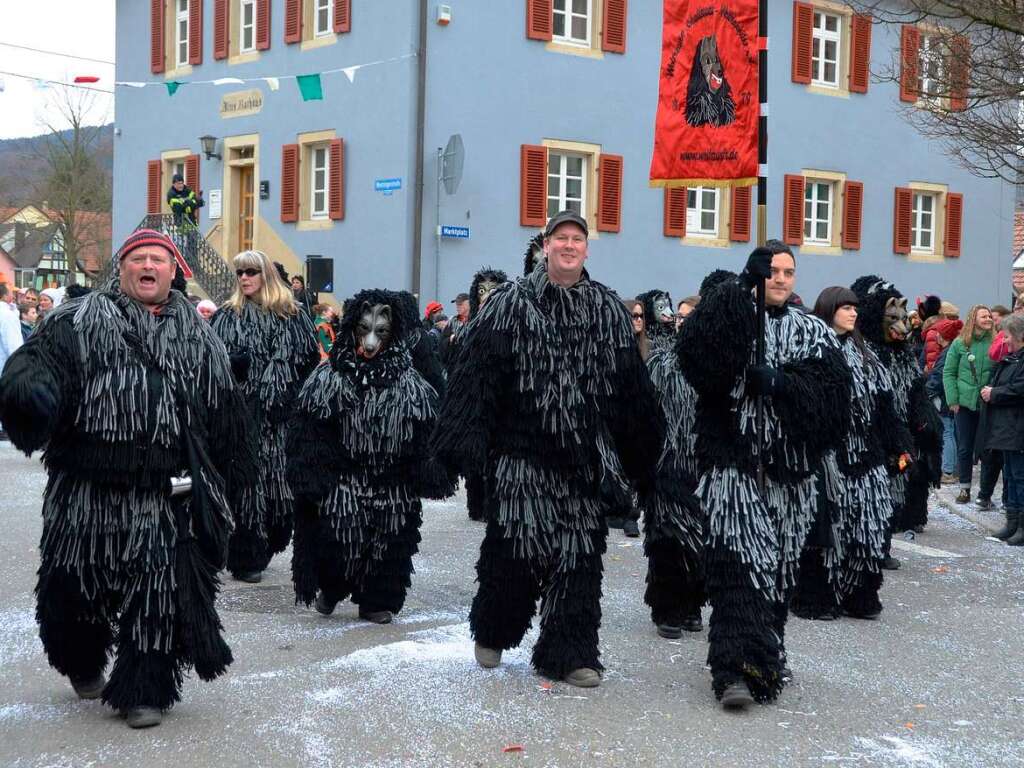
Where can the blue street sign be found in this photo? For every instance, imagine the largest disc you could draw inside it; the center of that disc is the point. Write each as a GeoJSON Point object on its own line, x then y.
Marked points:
{"type": "Point", "coordinates": [387, 186]}
{"type": "Point", "coordinates": [459, 233]}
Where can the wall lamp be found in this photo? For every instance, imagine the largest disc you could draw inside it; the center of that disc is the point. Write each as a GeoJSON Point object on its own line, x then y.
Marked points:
{"type": "Point", "coordinates": [209, 145]}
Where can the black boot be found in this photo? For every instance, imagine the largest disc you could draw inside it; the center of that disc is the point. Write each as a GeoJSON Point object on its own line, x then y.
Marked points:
{"type": "Point", "coordinates": [1018, 538]}
{"type": "Point", "coordinates": [1012, 522]}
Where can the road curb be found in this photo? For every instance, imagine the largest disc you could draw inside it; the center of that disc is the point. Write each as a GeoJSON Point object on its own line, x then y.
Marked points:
{"type": "Point", "coordinates": [968, 514]}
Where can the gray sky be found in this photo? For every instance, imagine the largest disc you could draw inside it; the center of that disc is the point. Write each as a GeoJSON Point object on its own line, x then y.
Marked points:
{"type": "Point", "coordinates": [79, 27]}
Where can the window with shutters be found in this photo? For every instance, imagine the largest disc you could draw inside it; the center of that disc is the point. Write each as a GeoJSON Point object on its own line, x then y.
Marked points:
{"type": "Point", "coordinates": [314, 180]}
{"type": "Point", "coordinates": [922, 226]}
{"type": "Point", "coordinates": [319, 22]}
{"type": "Point", "coordinates": [822, 210]}
{"type": "Point", "coordinates": [702, 212]}
{"type": "Point", "coordinates": [247, 26]}
{"type": "Point", "coordinates": [570, 21]}
{"type": "Point", "coordinates": [567, 183]}
{"type": "Point", "coordinates": [181, 32]}
{"type": "Point", "coordinates": [932, 68]}
{"type": "Point", "coordinates": [819, 198]}
{"type": "Point", "coordinates": [926, 222]}
{"type": "Point", "coordinates": [318, 182]}
{"type": "Point", "coordinates": [826, 49]}
{"type": "Point", "coordinates": [579, 27]}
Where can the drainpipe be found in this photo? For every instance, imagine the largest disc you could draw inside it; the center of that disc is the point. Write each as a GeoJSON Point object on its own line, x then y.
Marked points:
{"type": "Point", "coordinates": [421, 128]}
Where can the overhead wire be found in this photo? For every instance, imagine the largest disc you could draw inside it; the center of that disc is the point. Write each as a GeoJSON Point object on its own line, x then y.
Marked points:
{"type": "Point", "coordinates": [55, 53]}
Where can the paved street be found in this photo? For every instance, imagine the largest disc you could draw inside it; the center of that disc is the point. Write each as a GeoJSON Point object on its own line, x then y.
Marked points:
{"type": "Point", "coordinates": [935, 682]}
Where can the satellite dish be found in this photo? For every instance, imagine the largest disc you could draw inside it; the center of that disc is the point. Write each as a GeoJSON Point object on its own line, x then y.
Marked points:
{"type": "Point", "coordinates": [451, 168]}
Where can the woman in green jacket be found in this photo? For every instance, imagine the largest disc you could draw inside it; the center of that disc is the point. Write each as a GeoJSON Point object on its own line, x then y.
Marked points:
{"type": "Point", "coordinates": [968, 369]}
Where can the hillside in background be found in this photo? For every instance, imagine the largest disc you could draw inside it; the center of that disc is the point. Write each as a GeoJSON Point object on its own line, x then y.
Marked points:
{"type": "Point", "coordinates": [22, 168]}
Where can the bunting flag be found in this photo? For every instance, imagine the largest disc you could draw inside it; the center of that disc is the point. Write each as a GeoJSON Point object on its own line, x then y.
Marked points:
{"type": "Point", "coordinates": [173, 86]}
{"type": "Point", "coordinates": [310, 87]}
{"type": "Point", "coordinates": [272, 83]}
{"type": "Point", "coordinates": [705, 133]}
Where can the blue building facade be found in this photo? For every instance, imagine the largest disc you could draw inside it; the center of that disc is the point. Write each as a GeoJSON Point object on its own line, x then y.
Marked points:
{"type": "Point", "coordinates": [586, 94]}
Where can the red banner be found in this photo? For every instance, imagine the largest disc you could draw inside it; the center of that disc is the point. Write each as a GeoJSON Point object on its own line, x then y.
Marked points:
{"type": "Point", "coordinates": [705, 133]}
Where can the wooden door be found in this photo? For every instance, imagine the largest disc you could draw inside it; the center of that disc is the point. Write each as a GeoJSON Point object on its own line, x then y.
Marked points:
{"type": "Point", "coordinates": [246, 207]}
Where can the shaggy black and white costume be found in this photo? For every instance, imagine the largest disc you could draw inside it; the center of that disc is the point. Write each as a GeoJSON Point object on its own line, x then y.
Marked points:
{"type": "Point", "coordinates": [661, 335]}
{"type": "Point", "coordinates": [912, 407]}
{"type": "Point", "coordinates": [421, 345]}
{"type": "Point", "coordinates": [358, 448]}
{"type": "Point", "coordinates": [272, 356]}
{"type": "Point", "coordinates": [753, 540]}
{"type": "Point", "coordinates": [123, 400]}
{"type": "Point", "coordinates": [544, 372]}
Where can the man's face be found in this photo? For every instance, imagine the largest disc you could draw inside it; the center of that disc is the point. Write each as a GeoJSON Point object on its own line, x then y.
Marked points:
{"type": "Point", "coordinates": [462, 307]}
{"type": "Point", "coordinates": [178, 185]}
{"type": "Point", "coordinates": [30, 315]}
{"type": "Point", "coordinates": [779, 287]}
{"type": "Point", "coordinates": [566, 250]}
{"type": "Point", "coordinates": [146, 274]}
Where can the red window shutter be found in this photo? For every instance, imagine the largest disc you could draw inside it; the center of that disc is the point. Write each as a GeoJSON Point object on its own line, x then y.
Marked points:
{"type": "Point", "coordinates": [614, 26]}
{"type": "Point", "coordinates": [538, 19]}
{"type": "Point", "coordinates": [262, 25]}
{"type": "Point", "coordinates": [739, 215]}
{"type": "Point", "coordinates": [221, 20]}
{"type": "Point", "coordinates": [609, 193]}
{"type": "Point", "coordinates": [290, 182]}
{"type": "Point", "coordinates": [195, 32]}
{"type": "Point", "coordinates": [533, 186]}
{"type": "Point", "coordinates": [154, 189]}
{"type": "Point", "coordinates": [803, 40]}
{"type": "Point", "coordinates": [860, 50]}
{"type": "Point", "coordinates": [192, 173]}
{"type": "Point", "coordinates": [903, 213]}
{"type": "Point", "coordinates": [959, 72]}
{"type": "Point", "coordinates": [853, 214]}
{"type": "Point", "coordinates": [156, 35]}
{"type": "Point", "coordinates": [954, 224]}
{"type": "Point", "coordinates": [910, 51]}
{"type": "Point", "coordinates": [336, 175]}
{"type": "Point", "coordinates": [793, 210]}
{"type": "Point", "coordinates": [293, 21]}
{"type": "Point", "coordinates": [342, 16]}
{"type": "Point", "coordinates": [675, 212]}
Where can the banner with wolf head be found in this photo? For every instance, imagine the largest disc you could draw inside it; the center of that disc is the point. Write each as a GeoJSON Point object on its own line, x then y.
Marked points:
{"type": "Point", "coordinates": [705, 132]}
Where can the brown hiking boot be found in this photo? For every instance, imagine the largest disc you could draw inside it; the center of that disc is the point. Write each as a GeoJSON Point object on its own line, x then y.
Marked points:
{"type": "Point", "coordinates": [584, 677]}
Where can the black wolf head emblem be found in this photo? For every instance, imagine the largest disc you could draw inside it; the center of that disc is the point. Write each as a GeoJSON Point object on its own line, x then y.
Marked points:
{"type": "Point", "coordinates": [708, 96]}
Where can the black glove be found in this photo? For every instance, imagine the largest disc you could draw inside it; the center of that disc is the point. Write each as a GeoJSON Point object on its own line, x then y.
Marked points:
{"type": "Point", "coordinates": [240, 364]}
{"type": "Point", "coordinates": [765, 380]}
{"type": "Point", "coordinates": [759, 267]}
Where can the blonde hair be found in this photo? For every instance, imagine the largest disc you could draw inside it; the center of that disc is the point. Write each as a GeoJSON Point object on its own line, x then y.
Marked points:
{"type": "Point", "coordinates": [967, 334]}
{"type": "Point", "coordinates": [274, 295]}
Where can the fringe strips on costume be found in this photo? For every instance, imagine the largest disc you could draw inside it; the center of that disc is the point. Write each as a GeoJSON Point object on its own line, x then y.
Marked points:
{"type": "Point", "coordinates": [281, 351]}
{"type": "Point", "coordinates": [359, 463]}
{"type": "Point", "coordinates": [564, 367]}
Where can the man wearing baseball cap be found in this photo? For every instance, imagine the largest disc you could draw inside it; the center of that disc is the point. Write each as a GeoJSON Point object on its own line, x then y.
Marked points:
{"type": "Point", "coordinates": [550, 381]}
{"type": "Point", "coordinates": [128, 390]}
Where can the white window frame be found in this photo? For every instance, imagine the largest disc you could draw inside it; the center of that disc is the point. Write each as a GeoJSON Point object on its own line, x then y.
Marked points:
{"type": "Point", "coordinates": [568, 15]}
{"type": "Point", "coordinates": [932, 51]}
{"type": "Point", "coordinates": [323, 213]}
{"type": "Point", "coordinates": [243, 27]}
{"type": "Point", "coordinates": [821, 35]}
{"type": "Point", "coordinates": [917, 228]}
{"type": "Point", "coordinates": [695, 229]}
{"type": "Point", "coordinates": [318, 6]}
{"type": "Point", "coordinates": [561, 174]}
{"type": "Point", "coordinates": [811, 222]}
{"type": "Point", "coordinates": [181, 39]}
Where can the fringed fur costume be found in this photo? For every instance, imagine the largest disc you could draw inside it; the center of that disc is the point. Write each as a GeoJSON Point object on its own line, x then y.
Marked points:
{"type": "Point", "coordinates": [421, 345]}
{"type": "Point", "coordinates": [276, 353]}
{"type": "Point", "coordinates": [544, 372]}
{"type": "Point", "coordinates": [882, 320]}
{"type": "Point", "coordinates": [358, 447]}
{"type": "Point", "coordinates": [659, 319]}
{"type": "Point", "coordinates": [124, 399]}
{"type": "Point", "coordinates": [484, 283]}
{"type": "Point", "coordinates": [753, 539]}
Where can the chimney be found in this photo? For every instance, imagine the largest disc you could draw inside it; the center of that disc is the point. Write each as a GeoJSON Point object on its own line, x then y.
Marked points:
{"type": "Point", "coordinates": [20, 230]}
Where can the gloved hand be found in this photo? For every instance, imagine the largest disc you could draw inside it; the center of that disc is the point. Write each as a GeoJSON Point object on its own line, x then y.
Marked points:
{"type": "Point", "coordinates": [759, 267]}
{"type": "Point", "coordinates": [765, 380]}
{"type": "Point", "coordinates": [240, 364]}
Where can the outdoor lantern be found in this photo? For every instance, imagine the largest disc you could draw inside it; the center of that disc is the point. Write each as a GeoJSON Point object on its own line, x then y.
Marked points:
{"type": "Point", "coordinates": [209, 145]}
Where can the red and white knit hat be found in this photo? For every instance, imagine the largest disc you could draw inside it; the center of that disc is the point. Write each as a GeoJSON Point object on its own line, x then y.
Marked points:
{"type": "Point", "coordinates": [143, 237]}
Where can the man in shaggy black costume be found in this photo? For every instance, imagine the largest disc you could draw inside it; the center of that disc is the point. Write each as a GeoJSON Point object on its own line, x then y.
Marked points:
{"type": "Point", "coordinates": [484, 283]}
{"type": "Point", "coordinates": [882, 320]}
{"type": "Point", "coordinates": [549, 366]}
{"type": "Point", "coordinates": [659, 318]}
{"type": "Point", "coordinates": [421, 345]}
{"type": "Point", "coordinates": [754, 535]}
{"type": "Point", "coordinates": [359, 462]}
{"type": "Point", "coordinates": [126, 561]}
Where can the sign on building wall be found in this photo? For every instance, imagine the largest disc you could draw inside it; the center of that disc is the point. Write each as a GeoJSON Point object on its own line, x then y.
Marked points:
{"type": "Point", "coordinates": [241, 103]}
{"type": "Point", "coordinates": [213, 198]}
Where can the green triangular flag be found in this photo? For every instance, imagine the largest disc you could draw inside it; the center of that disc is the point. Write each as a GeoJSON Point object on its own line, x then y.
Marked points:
{"type": "Point", "coordinates": [310, 87]}
{"type": "Point", "coordinates": [172, 86]}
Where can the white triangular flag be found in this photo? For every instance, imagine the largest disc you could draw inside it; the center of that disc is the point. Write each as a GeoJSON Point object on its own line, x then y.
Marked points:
{"type": "Point", "coordinates": [350, 73]}
{"type": "Point", "coordinates": [228, 81]}
{"type": "Point", "coordinates": [130, 84]}
{"type": "Point", "coordinates": [273, 83]}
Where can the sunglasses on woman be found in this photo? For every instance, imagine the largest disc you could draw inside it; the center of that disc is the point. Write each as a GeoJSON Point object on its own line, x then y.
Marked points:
{"type": "Point", "coordinates": [638, 317]}
{"type": "Point", "coordinates": [250, 272]}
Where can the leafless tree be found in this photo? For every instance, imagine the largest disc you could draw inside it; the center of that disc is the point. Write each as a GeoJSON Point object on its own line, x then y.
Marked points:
{"type": "Point", "coordinates": [968, 75]}
{"type": "Point", "coordinates": [76, 186]}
